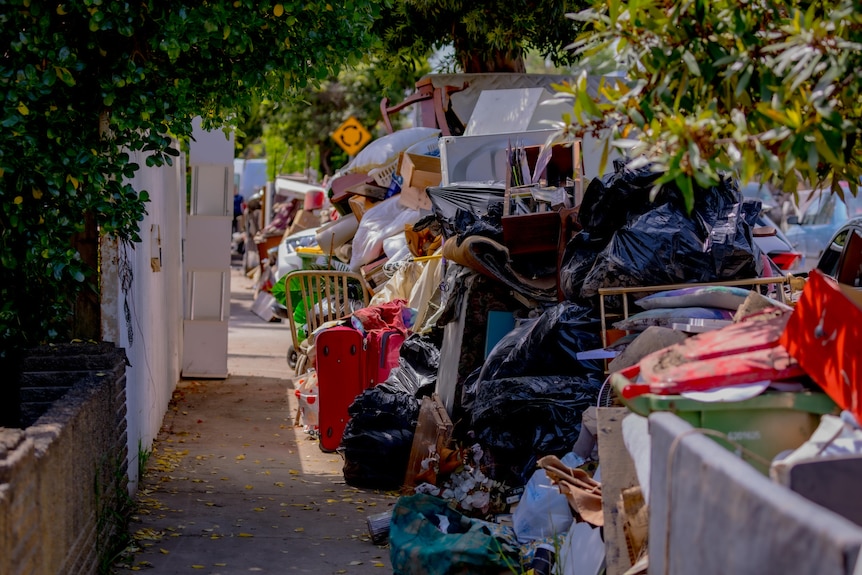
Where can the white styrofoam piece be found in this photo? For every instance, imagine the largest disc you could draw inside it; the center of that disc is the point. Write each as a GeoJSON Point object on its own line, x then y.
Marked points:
{"type": "Point", "coordinates": [637, 440]}
{"type": "Point", "coordinates": [583, 551]}
{"type": "Point", "coordinates": [499, 111]}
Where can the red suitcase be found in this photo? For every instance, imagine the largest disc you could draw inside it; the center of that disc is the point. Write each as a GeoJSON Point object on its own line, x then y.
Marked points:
{"type": "Point", "coordinates": [341, 376]}
{"type": "Point", "coordinates": [383, 353]}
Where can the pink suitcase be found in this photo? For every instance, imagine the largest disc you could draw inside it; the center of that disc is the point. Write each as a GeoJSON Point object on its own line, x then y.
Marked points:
{"type": "Point", "coordinates": [383, 353]}
{"type": "Point", "coordinates": [341, 376]}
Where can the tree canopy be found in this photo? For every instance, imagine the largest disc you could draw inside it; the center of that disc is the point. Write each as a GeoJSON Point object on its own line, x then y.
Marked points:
{"type": "Point", "coordinates": [764, 89]}
{"type": "Point", "coordinates": [308, 121]}
{"type": "Point", "coordinates": [487, 35]}
{"type": "Point", "coordinates": [86, 81]}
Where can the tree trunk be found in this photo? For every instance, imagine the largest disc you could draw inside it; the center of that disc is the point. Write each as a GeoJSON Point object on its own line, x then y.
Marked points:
{"type": "Point", "coordinates": [87, 318]}
{"type": "Point", "coordinates": [498, 62]}
{"type": "Point", "coordinates": [325, 153]}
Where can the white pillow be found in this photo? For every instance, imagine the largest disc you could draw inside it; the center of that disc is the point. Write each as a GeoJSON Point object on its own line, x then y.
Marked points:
{"type": "Point", "coordinates": [383, 151]}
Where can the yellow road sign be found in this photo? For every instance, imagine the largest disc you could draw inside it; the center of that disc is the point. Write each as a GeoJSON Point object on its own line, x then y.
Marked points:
{"type": "Point", "coordinates": [351, 136]}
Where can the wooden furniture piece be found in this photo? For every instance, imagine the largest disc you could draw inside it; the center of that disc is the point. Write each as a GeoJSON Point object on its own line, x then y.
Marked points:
{"type": "Point", "coordinates": [432, 101]}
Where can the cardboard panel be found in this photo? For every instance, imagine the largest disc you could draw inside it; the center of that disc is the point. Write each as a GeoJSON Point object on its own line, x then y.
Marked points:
{"type": "Point", "coordinates": [418, 172]}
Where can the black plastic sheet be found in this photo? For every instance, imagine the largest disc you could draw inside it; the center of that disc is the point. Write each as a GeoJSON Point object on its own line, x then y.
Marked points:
{"type": "Point", "coordinates": [488, 225]}
{"type": "Point", "coordinates": [476, 199]}
{"type": "Point", "coordinates": [519, 419]}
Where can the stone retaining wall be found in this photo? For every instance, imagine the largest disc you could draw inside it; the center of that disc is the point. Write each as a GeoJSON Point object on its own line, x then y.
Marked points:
{"type": "Point", "coordinates": [63, 479]}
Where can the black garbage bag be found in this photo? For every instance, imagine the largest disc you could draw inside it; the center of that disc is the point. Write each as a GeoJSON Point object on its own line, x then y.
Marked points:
{"type": "Point", "coordinates": [668, 246]}
{"type": "Point", "coordinates": [518, 419]}
{"type": "Point", "coordinates": [548, 345]}
{"type": "Point", "coordinates": [379, 436]}
{"type": "Point", "coordinates": [475, 198]}
{"type": "Point", "coordinates": [612, 201]}
{"type": "Point", "coordinates": [544, 346]}
{"type": "Point", "coordinates": [731, 242]}
{"type": "Point", "coordinates": [406, 379]}
{"type": "Point", "coordinates": [489, 225]}
{"type": "Point", "coordinates": [421, 355]}
{"type": "Point", "coordinates": [578, 258]}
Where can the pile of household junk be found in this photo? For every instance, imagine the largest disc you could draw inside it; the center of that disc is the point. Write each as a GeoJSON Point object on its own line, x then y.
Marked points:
{"type": "Point", "coordinates": [524, 303]}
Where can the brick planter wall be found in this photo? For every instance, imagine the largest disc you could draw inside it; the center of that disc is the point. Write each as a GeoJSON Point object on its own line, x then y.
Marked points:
{"type": "Point", "coordinates": [63, 480]}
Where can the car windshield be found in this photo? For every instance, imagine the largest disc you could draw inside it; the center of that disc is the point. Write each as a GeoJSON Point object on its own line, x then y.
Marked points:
{"type": "Point", "coordinates": [854, 204]}
{"type": "Point", "coordinates": [760, 192]}
{"type": "Point", "coordinates": [825, 207]}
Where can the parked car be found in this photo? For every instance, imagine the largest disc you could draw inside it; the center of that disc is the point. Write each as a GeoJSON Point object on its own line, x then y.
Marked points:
{"type": "Point", "coordinates": [772, 241]}
{"type": "Point", "coordinates": [777, 205]}
{"type": "Point", "coordinates": [768, 235]}
{"type": "Point", "coordinates": [842, 258]}
{"type": "Point", "coordinates": [822, 214]}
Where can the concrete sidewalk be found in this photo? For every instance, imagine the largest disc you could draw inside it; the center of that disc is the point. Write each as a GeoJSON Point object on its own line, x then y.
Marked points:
{"type": "Point", "coordinates": [233, 487]}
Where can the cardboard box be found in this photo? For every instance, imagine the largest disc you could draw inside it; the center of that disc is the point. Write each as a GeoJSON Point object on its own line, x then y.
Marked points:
{"type": "Point", "coordinates": [303, 221]}
{"type": "Point", "coordinates": [418, 173]}
{"type": "Point", "coordinates": [359, 205]}
{"type": "Point", "coordinates": [374, 274]}
{"type": "Point", "coordinates": [823, 334]}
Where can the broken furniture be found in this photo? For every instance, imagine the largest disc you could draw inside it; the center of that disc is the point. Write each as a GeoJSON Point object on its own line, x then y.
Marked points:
{"type": "Point", "coordinates": [324, 296]}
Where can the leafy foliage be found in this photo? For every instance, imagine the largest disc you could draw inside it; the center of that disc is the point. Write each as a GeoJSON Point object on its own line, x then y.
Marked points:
{"type": "Point", "coordinates": [306, 123]}
{"type": "Point", "coordinates": [85, 82]}
{"type": "Point", "coordinates": [487, 35]}
{"type": "Point", "coordinates": [765, 89]}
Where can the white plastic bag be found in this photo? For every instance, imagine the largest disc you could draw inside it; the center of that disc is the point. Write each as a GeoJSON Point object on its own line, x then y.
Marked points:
{"type": "Point", "coordinates": [395, 246]}
{"type": "Point", "coordinates": [307, 397]}
{"type": "Point", "coordinates": [382, 221]}
{"type": "Point", "coordinates": [542, 511]}
{"type": "Point", "coordinates": [386, 149]}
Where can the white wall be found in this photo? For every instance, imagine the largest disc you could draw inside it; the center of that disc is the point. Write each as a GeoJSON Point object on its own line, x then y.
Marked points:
{"type": "Point", "coordinates": [145, 316]}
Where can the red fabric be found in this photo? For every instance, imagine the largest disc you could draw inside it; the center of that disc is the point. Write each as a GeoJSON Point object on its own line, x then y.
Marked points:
{"type": "Point", "coordinates": [389, 315]}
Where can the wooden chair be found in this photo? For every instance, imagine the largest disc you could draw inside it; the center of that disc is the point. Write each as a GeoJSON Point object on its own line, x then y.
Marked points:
{"type": "Point", "coordinates": [324, 294]}
{"type": "Point", "coordinates": [433, 103]}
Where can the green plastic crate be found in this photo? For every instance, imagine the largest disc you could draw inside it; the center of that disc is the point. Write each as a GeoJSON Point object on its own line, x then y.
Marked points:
{"type": "Point", "coordinates": [766, 425]}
